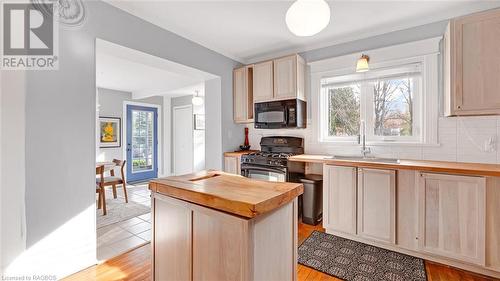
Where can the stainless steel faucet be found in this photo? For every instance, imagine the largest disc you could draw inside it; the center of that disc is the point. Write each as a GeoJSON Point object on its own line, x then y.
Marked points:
{"type": "Point", "coordinates": [364, 149]}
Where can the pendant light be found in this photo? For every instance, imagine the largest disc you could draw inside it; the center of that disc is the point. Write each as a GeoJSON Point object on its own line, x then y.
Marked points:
{"type": "Point", "coordinates": [197, 100]}
{"type": "Point", "coordinates": [362, 64]}
{"type": "Point", "coordinates": [308, 17]}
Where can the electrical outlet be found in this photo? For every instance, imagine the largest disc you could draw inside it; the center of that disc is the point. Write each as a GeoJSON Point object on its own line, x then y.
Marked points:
{"type": "Point", "coordinates": [490, 145]}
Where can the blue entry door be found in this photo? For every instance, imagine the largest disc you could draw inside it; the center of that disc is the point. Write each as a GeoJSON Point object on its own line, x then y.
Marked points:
{"type": "Point", "coordinates": [142, 143]}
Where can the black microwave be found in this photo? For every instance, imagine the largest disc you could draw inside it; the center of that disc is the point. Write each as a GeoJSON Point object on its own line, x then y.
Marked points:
{"type": "Point", "coordinates": [280, 114]}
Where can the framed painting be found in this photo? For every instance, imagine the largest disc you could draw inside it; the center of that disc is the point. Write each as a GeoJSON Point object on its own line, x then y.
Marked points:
{"type": "Point", "coordinates": [110, 132]}
{"type": "Point", "coordinates": [199, 121]}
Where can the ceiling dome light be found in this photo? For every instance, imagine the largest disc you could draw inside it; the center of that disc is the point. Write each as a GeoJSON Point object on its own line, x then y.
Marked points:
{"type": "Point", "coordinates": [362, 64]}
{"type": "Point", "coordinates": [197, 100]}
{"type": "Point", "coordinates": [307, 17]}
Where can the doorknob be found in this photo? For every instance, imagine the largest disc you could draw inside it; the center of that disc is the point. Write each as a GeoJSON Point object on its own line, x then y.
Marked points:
{"type": "Point", "coordinates": [128, 146]}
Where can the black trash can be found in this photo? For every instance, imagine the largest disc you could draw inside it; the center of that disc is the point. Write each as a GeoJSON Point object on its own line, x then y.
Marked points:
{"type": "Point", "coordinates": [312, 199]}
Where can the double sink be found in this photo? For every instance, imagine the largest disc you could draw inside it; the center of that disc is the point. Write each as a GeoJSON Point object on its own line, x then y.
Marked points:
{"type": "Point", "coordinates": [364, 159]}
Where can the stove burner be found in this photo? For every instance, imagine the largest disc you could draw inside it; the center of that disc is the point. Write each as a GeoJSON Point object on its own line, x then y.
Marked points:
{"type": "Point", "coordinates": [269, 155]}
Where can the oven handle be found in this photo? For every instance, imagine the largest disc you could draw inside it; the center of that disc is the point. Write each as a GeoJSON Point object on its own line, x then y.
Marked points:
{"type": "Point", "coordinates": [286, 114]}
{"type": "Point", "coordinates": [277, 170]}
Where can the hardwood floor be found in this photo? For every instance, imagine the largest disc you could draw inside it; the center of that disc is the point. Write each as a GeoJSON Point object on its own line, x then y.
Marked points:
{"type": "Point", "coordinates": [135, 266]}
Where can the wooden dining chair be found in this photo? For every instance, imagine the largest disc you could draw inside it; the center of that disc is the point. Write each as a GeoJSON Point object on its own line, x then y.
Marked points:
{"type": "Point", "coordinates": [114, 180]}
{"type": "Point", "coordinates": [101, 201]}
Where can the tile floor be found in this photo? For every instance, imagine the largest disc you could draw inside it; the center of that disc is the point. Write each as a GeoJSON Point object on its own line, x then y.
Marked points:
{"type": "Point", "coordinates": [117, 238]}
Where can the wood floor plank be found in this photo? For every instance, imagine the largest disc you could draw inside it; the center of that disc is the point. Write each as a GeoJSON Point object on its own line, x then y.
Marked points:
{"type": "Point", "coordinates": [135, 265]}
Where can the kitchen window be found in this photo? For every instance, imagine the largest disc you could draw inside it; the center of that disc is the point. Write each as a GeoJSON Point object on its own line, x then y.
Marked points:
{"type": "Point", "coordinates": [388, 101]}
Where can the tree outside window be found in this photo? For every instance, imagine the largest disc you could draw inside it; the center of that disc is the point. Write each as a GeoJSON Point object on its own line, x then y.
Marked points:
{"type": "Point", "coordinates": [393, 107]}
{"type": "Point", "coordinates": [344, 115]}
{"type": "Point", "coordinates": [387, 104]}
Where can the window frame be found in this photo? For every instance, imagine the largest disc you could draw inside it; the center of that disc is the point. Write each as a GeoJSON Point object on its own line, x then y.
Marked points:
{"type": "Point", "coordinates": [342, 68]}
{"type": "Point", "coordinates": [365, 81]}
{"type": "Point", "coordinates": [325, 137]}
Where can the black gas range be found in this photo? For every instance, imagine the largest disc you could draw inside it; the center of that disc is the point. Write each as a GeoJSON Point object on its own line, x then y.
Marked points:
{"type": "Point", "coordinates": [271, 163]}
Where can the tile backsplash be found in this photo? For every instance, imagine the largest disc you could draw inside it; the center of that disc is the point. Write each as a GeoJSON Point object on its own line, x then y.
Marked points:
{"type": "Point", "coordinates": [462, 139]}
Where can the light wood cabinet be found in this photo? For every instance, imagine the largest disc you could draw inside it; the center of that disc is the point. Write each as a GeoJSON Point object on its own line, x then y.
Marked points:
{"type": "Point", "coordinates": [445, 218]}
{"type": "Point", "coordinates": [192, 242]}
{"type": "Point", "coordinates": [493, 223]}
{"type": "Point", "coordinates": [243, 95]}
{"type": "Point", "coordinates": [377, 205]}
{"type": "Point", "coordinates": [471, 64]}
{"type": "Point", "coordinates": [339, 198]}
{"type": "Point", "coordinates": [278, 79]}
{"type": "Point", "coordinates": [263, 84]}
{"type": "Point", "coordinates": [220, 246]}
{"type": "Point", "coordinates": [172, 260]}
{"type": "Point", "coordinates": [407, 209]}
{"type": "Point", "coordinates": [289, 73]}
{"type": "Point", "coordinates": [452, 216]}
{"type": "Point", "coordinates": [232, 164]}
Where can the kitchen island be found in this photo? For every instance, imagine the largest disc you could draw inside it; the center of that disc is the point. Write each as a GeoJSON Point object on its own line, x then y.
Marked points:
{"type": "Point", "coordinates": [217, 226]}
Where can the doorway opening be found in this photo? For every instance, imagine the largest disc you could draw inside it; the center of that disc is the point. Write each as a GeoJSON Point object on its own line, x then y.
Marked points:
{"type": "Point", "coordinates": [139, 133]}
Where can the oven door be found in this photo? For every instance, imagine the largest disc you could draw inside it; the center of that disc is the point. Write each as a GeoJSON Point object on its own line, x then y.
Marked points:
{"type": "Point", "coordinates": [263, 173]}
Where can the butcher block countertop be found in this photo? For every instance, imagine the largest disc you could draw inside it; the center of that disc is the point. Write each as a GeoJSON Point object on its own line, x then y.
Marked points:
{"type": "Point", "coordinates": [420, 165]}
{"type": "Point", "coordinates": [230, 193]}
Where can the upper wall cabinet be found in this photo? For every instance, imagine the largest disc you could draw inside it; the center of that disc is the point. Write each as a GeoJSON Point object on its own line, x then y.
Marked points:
{"type": "Point", "coordinates": [278, 79]}
{"type": "Point", "coordinates": [243, 95]}
{"type": "Point", "coordinates": [472, 65]}
{"type": "Point", "coordinates": [263, 83]}
{"type": "Point", "coordinates": [289, 73]}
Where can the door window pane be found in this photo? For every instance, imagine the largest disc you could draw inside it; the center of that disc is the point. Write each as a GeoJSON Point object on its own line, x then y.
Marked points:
{"type": "Point", "coordinates": [142, 140]}
{"type": "Point", "coordinates": [393, 103]}
{"type": "Point", "coordinates": [343, 110]}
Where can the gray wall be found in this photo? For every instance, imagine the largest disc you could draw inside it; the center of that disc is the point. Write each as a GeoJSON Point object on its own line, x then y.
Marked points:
{"type": "Point", "coordinates": [111, 105]}
{"type": "Point", "coordinates": [60, 129]}
{"type": "Point", "coordinates": [375, 42]}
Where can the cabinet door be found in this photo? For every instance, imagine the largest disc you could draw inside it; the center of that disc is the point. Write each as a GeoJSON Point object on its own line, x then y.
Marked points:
{"type": "Point", "coordinates": [452, 216]}
{"type": "Point", "coordinates": [476, 43]}
{"type": "Point", "coordinates": [220, 246]}
{"type": "Point", "coordinates": [263, 86]}
{"type": "Point", "coordinates": [240, 92]}
{"type": "Point", "coordinates": [339, 198]}
{"type": "Point", "coordinates": [231, 165]}
{"type": "Point", "coordinates": [171, 240]}
{"type": "Point", "coordinates": [285, 78]}
{"type": "Point", "coordinates": [377, 204]}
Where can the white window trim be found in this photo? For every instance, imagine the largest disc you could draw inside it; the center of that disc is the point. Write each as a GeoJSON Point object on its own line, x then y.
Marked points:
{"type": "Point", "coordinates": [425, 52]}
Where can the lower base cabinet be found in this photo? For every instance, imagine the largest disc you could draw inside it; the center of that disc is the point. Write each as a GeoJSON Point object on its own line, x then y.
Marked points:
{"type": "Point", "coordinates": [191, 242]}
{"type": "Point", "coordinates": [452, 216]}
{"type": "Point", "coordinates": [450, 219]}
{"type": "Point", "coordinates": [377, 205]}
{"type": "Point", "coordinates": [232, 165]}
{"type": "Point", "coordinates": [339, 198]}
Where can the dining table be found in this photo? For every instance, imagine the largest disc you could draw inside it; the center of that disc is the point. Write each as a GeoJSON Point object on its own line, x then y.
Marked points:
{"type": "Point", "coordinates": [108, 166]}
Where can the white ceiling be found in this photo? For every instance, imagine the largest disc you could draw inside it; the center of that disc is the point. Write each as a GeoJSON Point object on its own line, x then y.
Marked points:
{"type": "Point", "coordinates": [249, 30]}
{"type": "Point", "coordinates": [124, 69]}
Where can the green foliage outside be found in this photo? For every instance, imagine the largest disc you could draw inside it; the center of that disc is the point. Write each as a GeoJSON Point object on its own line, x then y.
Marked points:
{"type": "Point", "coordinates": [343, 112]}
